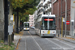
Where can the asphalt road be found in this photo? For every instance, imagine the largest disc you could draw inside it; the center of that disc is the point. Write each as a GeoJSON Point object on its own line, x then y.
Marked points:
{"type": "Point", "coordinates": [31, 41]}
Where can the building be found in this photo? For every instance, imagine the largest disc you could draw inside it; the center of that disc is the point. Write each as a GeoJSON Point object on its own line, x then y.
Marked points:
{"type": "Point", "coordinates": [35, 17]}
{"type": "Point", "coordinates": [72, 18]}
{"type": "Point", "coordinates": [44, 7]}
{"type": "Point", "coordinates": [47, 7]}
{"type": "Point", "coordinates": [65, 9]}
{"type": "Point", "coordinates": [40, 10]}
{"type": "Point", "coordinates": [31, 20]}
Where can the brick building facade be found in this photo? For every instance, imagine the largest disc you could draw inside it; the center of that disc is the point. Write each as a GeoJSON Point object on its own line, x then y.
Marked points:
{"type": "Point", "coordinates": [58, 8]}
{"type": "Point", "coordinates": [31, 20]}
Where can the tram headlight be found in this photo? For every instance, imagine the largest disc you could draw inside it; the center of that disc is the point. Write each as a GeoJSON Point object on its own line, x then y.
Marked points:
{"type": "Point", "coordinates": [53, 32]}
{"type": "Point", "coordinates": [43, 31]}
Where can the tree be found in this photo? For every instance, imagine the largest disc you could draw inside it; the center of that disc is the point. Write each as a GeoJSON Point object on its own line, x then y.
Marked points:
{"type": "Point", "coordinates": [22, 8]}
{"type": "Point", "coordinates": [25, 7]}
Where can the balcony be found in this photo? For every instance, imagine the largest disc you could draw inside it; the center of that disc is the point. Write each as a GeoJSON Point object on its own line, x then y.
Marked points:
{"type": "Point", "coordinates": [40, 13]}
{"type": "Point", "coordinates": [48, 8]}
{"type": "Point", "coordinates": [40, 8]}
{"type": "Point", "coordinates": [46, 2]}
{"type": "Point", "coordinates": [35, 17]}
{"type": "Point", "coordinates": [40, 4]}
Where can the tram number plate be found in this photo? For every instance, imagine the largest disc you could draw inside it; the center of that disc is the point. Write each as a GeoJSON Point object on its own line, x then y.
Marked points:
{"type": "Point", "coordinates": [26, 28]}
{"type": "Point", "coordinates": [48, 32]}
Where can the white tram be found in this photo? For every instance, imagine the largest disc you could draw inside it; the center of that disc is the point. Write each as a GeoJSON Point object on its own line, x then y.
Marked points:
{"type": "Point", "coordinates": [46, 26]}
{"type": "Point", "coordinates": [26, 26]}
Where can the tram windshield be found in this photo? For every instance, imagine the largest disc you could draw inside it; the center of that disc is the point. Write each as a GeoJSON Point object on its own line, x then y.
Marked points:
{"type": "Point", "coordinates": [26, 25]}
{"type": "Point", "coordinates": [48, 24]}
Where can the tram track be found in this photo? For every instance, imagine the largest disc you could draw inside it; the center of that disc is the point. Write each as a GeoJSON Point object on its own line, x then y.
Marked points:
{"type": "Point", "coordinates": [66, 43]}
{"type": "Point", "coordinates": [69, 48]}
{"type": "Point", "coordinates": [31, 41]}
{"type": "Point", "coordinates": [25, 44]}
{"type": "Point", "coordinates": [35, 41]}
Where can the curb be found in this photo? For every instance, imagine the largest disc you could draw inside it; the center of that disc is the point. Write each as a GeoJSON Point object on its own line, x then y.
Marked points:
{"type": "Point", "coordinates": [17, 44]}
{"type": "Point", "coordinates": [68, 40]}
{"type": "Point", "coordinates": [16, 48]}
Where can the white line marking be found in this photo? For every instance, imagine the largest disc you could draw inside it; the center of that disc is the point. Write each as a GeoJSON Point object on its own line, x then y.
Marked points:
{"type": "Point", "coordinates": [36, 42]}
{"type": "Point", "coordinates": [66, 43]}
{"type": "Point", "coordinates": [25, 44]}
{"type": "Point", "coordinates": [53, 43]}
{"type": "Point", "coordinates": [57, 45]}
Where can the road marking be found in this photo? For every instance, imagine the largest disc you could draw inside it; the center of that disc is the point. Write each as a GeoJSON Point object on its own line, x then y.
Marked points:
{"type": "Point", "coordinates": [58, 45]}
{"type": "Point", "coordinates": [63, 48]}
{"type": "Point", "coordinates": [25, 44]}
{"type": "Point", "coordinates": [53, 42]}
{"type": "Point", "coordinates": [35, 42]}
{"type": "Point", "coordinates": [65, 43]}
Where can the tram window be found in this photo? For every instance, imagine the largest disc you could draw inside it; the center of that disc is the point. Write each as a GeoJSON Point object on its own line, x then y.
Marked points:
{"type": "Point", "coordinates": [48, 24]}
{"type": "Point", "coordinates": [26, 24]}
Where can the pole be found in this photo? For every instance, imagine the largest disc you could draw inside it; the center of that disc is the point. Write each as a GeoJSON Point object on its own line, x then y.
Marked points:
{"type": "Point", "coordinates": [13, 29]}
{"type": "Point", "coordinates": [65, 15]}
{"type": "Point", "coordinates": [61, 18]}
{"type": "Point", "coordinates": [13, 21]}
{"type": "Point", "coordinates": [62, 28]}
{"type": "Point", "coordinates": [58, 18]}
{"type": "Point", "coordinates": [6, 11]}
{"type": "Point", "coordinates": [17, 22]}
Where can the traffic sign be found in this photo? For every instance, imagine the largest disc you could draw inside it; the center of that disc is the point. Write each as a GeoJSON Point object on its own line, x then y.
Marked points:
{"type": "Point", "coordinates": [72, 20]}
{"type": "Point", "coordinates": [10, 29]}
{"type": "Point", "coordinates": [67, 22]}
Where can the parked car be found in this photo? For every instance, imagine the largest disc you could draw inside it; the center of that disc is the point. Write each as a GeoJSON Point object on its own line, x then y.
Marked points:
{"type": "Point", "coordinates": [33, 27]}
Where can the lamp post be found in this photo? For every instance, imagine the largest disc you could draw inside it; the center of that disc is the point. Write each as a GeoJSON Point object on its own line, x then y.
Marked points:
{"type": "Point", "coordinates": [61, 19]}
{"type": "Point", "coordinates": [65, 15]}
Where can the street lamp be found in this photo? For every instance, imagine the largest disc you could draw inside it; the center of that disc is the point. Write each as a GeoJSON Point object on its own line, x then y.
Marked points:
{"type": "Point", "coordinates": [65, 15]}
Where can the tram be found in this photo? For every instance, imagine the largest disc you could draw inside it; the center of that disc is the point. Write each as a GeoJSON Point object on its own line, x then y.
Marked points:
{"type": "Point", "coordinates": [46, 26]}
{"type": "Point", "coordinates": [26, 26]}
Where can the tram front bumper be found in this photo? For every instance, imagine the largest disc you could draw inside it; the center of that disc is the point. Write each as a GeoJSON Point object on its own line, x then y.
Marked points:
{"type": "Point", "coordinates": [26, 29]}
{"type": "Point", "coordinates": [51, 35]}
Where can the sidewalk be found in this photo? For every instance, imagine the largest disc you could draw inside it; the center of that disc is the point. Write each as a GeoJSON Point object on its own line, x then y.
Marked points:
{"type": "Point", "coordinates": [68, 38]}
{"type": "Point", "coordinates": [17, 38]}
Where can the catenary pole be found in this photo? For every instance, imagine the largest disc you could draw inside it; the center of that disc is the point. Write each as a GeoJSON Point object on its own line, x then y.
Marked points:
{"type": "Point", "coordinates": [65, 15]}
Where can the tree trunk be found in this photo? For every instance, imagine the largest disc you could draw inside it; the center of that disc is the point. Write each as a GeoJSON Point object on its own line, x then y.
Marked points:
{"type": "Point", "coordinates": [17, 31]}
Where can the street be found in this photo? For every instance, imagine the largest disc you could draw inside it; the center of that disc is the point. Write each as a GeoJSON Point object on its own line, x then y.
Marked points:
{"type": "Point", "coordinates": [31, 41]}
